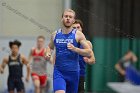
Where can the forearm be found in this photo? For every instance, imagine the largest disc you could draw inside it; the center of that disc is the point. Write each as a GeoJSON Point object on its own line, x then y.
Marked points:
{"type": "Point", "coordinates": [49, 50]}
{"type": "Point", "coordinates": [3, 66]}
{"type": "Point", "coordinates": [30, 59]}
{"type": "Point", "coordinates": [0, 68]}
{"type": "Point", "coordinates": [83, 52]}
{"type": "Point", "coordinates": [28, 70]}
{"type": "Point", "coordinates": [30, 56]}
{"type": "Point", "coordinates": [52, 60]}
{"type": "Point", "coordinates": [91, 59]}
{"type": "Point", "coordinates": [134, 58]}
{"type": "Point", "coordinates": [119, 69]}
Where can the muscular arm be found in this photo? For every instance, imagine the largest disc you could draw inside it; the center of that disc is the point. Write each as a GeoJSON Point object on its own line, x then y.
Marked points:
{"type": "Point", "coordinates": [86, 51]}
{"type": "Point", "coordinates": [118, 66]}
{"type": "Point", "coordinates": [91, 59]}
{"type": "Point", "coordinates": [51, 45]}
{"type": "Point", "coordinates": [52, 59]}
{"type": "Point", "coordinates": [4, 63]}
{"type": "Point", "coordinates": [134, 57]}
{"type": "Point", "coordinates": [119, 69]}
{"type": "Point", "coordinates": [30, 56]}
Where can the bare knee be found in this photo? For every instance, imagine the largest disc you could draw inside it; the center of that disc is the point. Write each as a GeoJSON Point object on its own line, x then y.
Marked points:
{"type": "Point", "coordinates": [12, 91]}
{"type": "Point", "coordinates": [21, 91]}
{"type": "Point", "coordinates": [36, 83]}
{"type": "Point", "coordinates": [60, 91]}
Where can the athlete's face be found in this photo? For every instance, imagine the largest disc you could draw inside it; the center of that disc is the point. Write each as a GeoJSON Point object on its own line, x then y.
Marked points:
{"type": "Point", "coordinates": [40, 42]}
{"type": "Point", "coordinates": [14, 49]}
{"type": "Point", "coordinates": [77, 26]}
{"type": "Point", "coordinates": [68, 19]}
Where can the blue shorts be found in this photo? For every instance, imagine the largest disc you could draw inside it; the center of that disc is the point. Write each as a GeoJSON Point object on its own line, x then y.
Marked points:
{"type": "Point", "coordinates": [66, 80]}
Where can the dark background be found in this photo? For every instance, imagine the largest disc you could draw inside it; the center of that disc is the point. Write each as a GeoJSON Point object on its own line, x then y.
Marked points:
{"type": "Point", "coordinates": [113, 27]}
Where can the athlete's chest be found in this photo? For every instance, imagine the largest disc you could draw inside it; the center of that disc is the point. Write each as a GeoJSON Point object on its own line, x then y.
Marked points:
{"type": "Point", "coordinates": [60, 39]}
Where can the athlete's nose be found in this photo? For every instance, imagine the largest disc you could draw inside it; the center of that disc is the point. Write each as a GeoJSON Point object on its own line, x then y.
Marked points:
{"type": "Point", "coordinates": [68, 18]}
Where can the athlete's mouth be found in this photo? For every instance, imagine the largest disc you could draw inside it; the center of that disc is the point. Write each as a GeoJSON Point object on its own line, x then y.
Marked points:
{"type": "Point", "coordinates": [67, 21]}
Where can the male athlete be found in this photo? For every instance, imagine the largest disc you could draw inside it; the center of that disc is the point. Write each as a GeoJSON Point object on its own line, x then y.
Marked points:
{"type": "Point", "coordinates": [66, 41]}
{"type": "Point", "coordinates": [38, 63]}
{"type": "Point", "coordinates": [127, 60]}
{"type": "Point", "coordinates": [15, 63]}
{"type": "Point", "coordinates": [83, 60]}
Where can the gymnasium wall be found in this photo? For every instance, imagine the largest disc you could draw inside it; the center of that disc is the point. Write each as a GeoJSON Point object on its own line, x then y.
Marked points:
{"type": "Point", "coordinates": [29, 17]}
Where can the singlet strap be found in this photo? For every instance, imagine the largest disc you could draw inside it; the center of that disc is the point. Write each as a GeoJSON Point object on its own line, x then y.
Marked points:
{"type": "Point", "coordinates": [59, 31]}
{"type": "Point", "coordinates": [74, 31]}
{"type": "Point", "coordinates": [9, 59]}
{"type": "Point", "coordinates": [18, 58]}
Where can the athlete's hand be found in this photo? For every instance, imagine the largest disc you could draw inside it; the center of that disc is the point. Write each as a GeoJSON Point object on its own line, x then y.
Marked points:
{"type": "Point", "coordinates": [1, 70]}
{"type": "Point", "coordinates": [86, 59]}
{"type": "Point", "coordinates": [71, 47]}
{"type": "Point", "coordinates": [89, 60]}
{"type": "Point", "coordinates": [27, 79]}
{"type": "Point", "coordinates": [47, 56]}
{"type": "Point", "coordinates": [122, 72]}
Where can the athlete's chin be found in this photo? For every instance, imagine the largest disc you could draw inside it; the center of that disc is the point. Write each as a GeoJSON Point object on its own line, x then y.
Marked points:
{"type": "Point", "coordinates": [67, 25]}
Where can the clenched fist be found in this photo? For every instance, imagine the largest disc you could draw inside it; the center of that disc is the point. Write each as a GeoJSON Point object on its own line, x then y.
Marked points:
{"type": "Point", "coordinates": [71, 47]}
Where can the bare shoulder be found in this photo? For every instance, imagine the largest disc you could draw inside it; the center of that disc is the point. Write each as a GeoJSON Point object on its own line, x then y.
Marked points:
{"type": "Point", "coordinates": [89, 43]}
{"type": "Point", "coordinates": [80, 36]}
{"type": "Point", "coordinates": [32, 49]}
{"type": "Point", "coordinates": [53, 34]}
{"type": "Point", "coordinates": [22, 56]}
{"type": "Point", "coordinates": [79, 32]}
{"type": "Point", "coordinates": [6, 59]}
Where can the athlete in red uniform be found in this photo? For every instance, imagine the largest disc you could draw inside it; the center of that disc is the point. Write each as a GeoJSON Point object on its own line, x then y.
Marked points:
{"type": "Point", "coordinates": [38, 65]}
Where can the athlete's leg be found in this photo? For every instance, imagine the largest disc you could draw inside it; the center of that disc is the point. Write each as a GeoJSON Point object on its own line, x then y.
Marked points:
{"type": "Point", "coordinates": [43, 83]}
{"type": "Point", "coordinates": [11, 85]}
{"type": "Point", "coordinates": [37, 85]}
{"type": "Point", "coordinates": [72, 78]}
{"type": "Point", "coordinates": [59, 83]}
{"type": "Point", "coordinates": [81, 85]}
{"type": "Point", "coordinates": [19, 85]}
{"type": "Point", "coordinates": [42, 89]}
{"type": "Point", "coordinates": [36, 82]}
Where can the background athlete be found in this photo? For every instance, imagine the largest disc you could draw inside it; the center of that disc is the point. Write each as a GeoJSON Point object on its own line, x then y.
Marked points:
{"type": "Point", "coordinates": [127, 60]}
{"type": "Point", "coordinates": [83, 60]}
{"type": "Point", "coordinates": [38, 65]}
{"type": "Point", "coordinates": [15, 63]}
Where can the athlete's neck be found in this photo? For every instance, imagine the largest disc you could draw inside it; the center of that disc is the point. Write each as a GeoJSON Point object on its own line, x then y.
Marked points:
{"type": "Point", "coordinates": [66, 30]}
{"type": "Point", "coordinates": [14, 55]}
{"type": "Point", "coordinates": [40, 48]}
